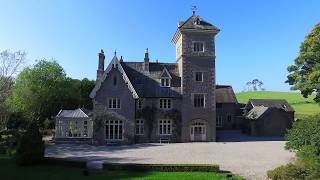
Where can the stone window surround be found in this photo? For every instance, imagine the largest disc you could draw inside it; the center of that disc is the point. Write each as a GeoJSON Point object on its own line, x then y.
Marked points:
{"type": "Point", "coordinates": [165, 127]}
{"type": "Point", "coordinates": [165, 103]}
{"type": "Point", "coordinates": [204, 99]}
{"type": "Point", "coordinates": [195, 76]}
{"type": "Point", "coordinates": [139, 127]}
{"type": "Point", "coordinates": [165, 82]}
{"type": "Point", "coordinates": [196, 42]}
{"type": "Point", "coordinates": [114, 103]}
{"type": "Point", "coordinates": [113, 124]}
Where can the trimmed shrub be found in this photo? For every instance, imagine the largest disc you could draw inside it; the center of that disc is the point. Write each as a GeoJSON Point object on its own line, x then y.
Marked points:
{"type": "Point", "coordinates": [30, 148]}
{"type": "Point", "coordinates": [289, 171]}
{"type": "Point", "coordinates": [163, 167]}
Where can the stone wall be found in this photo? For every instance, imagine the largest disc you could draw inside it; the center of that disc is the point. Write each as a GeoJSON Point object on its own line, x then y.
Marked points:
{"type": "Point", "coordinates": [191, 63]}
{"type": "Point", "coordinates": [126, 112]}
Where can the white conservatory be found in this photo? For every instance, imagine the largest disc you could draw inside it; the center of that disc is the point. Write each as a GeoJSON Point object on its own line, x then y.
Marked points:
{"type": "Point", "coordinates": [73, 124]}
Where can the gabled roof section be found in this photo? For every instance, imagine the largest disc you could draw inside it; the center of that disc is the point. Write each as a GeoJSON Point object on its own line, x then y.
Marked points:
{"type": "Point", "coordinates": [147, 85]}
{"type": "Point", "coordinates": [115, 63]}
{"type": "Point", "coordinates": [165, 73]}
{"type": "Point", "coordinates": [272, 103]}
{"type": "Point", "coordinates": [76, 113]}
{"type": "Point", "coordinates": [225, 94]}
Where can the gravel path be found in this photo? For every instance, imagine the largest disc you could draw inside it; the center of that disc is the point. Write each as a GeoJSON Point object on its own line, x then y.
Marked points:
{"type": "Point", "coordinates": [249, 159]}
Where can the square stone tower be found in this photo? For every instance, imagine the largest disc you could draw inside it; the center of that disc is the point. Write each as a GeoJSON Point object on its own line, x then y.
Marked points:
{"type": "Point", "coordinates": [195, 57]}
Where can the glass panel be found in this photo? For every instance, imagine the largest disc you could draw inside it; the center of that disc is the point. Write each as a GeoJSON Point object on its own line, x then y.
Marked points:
{"type": "Point", "coordinates": [120, 131]}
{"type": "Point", "coordinates": [118, 103]}
{"type": "Point", "coordinates": [111, 132]}
{"type": "Point", "coordinates": [116, 131]}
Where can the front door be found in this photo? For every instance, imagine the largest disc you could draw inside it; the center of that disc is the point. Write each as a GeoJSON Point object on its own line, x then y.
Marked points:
{"type": "Point", "coordinates": [198, 132]}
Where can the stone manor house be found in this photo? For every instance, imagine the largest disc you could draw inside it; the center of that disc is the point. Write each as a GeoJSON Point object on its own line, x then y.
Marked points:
{"type": "Point", "coordinates": [151, 101]}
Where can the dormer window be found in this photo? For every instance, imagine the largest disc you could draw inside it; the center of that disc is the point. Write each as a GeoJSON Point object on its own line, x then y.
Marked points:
{"type": "Point", "coordinates": [165, 82]}
{"type": "Point", "coordinates": [165, 78]}
{"type": "Point", "coordinates": [198, 46]}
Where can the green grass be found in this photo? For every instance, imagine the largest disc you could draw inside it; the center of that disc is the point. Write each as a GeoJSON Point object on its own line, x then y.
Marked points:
{"type": "Point", "coordinates": [302, 106]}
{"type": "Point", "coordinates": [9, 171]}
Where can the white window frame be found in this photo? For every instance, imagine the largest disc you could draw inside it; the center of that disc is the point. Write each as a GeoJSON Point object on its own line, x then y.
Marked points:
{"type": "Point", "coordinates": [85, 128]}
{"type": "Point", "coordinates": [139, 127]}
{"type": "Point", "coordinates": [165, 82]}
{"type": "Point", "coordinates": [219, 122]}
{"type": "Point", "coordinates": [204, 100]}
{"type": "Point", "coordinates": [165, 103]}
{"type": "Point", "coordinates": [195, 76]}
{"type": "Point", "coordinates": [165, 127]}
{"type": "Point", "coordinates": [114, 103]}
{"type": "Point", "coordinates": [197, 49]}
{"type": "Point", "coordinates": [116, 134]}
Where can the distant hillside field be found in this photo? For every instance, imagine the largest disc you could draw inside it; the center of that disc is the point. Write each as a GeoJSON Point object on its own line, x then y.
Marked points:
{"type": "Point", "coordinates": [302, 106]}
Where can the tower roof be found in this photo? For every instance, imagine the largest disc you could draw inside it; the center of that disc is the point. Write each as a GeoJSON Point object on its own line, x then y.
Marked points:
{"type": "Point", "coordinates": [195, 22]}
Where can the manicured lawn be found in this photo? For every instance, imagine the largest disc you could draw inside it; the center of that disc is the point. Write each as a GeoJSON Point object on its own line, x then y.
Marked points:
{"type": "Point", "coordinates": [302, 106]}
{"type": "Point", "coordinates": [9, 171]}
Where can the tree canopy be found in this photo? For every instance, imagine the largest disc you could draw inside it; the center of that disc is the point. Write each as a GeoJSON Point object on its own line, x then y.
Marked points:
{"type": "Point", "coordinates": [305, 72]}
{"type": "Point", "coordinates": [42, 90]}
{"type": "Point", "coordinates": [39, 91]}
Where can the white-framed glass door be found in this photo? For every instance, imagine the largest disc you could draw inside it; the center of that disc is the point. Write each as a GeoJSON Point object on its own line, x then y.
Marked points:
{"type": "Point", "coordinates": [198, 132]}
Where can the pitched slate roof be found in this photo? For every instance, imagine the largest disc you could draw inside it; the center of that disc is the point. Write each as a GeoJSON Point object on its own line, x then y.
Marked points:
{"type": "Point", "coordinates": [146, 84]}
{"type": "Point", "coordinates": [76, 113]}
{"type": "Point", "coordinates": [225, 94]}
{"type": "Point", "coordinates": [256, 112]}
{"type": "Point", "coordinates": [272, 103]}
{"type": "Point", "coordinates": [195, 22]}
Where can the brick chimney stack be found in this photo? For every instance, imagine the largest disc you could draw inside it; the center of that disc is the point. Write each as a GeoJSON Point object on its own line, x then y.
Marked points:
{"type": "Point", "coordinates": [100, 70]}
{"type": "Point", "coordinates": [146, 60]}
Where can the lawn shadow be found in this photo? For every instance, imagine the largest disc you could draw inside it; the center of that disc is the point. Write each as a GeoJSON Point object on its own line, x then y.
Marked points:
{"type": "Point", "coordinates": [94, 153]}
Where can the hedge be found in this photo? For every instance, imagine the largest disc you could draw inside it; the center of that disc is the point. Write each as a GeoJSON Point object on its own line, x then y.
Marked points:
{"type": "Point", "coordinates": [64, 162]}
{"type": "Point", "coordinates": [163, 167]}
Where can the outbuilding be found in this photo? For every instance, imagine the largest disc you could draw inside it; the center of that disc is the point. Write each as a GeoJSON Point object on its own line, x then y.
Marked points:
{"type": "Point", "coordinates": [74, 126]}
{"type": "Point", "coordinates": [268, 117]}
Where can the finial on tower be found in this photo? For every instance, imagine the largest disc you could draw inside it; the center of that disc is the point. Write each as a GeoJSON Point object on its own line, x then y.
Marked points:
{"type": "Point", "coordinates": [194, 9]}
{"type": "Point", "coordinates": [115, 52]}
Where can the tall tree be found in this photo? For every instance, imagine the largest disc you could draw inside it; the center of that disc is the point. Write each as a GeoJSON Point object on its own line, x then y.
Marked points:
{"type": "Point", "coordinates": [10, 64]}
{"type": "Point", "coordinates": [254, 84]}
{"type": "Point", "coordinates": [304, 74]}
{"type": "Point", "coordinates": [39, 91]}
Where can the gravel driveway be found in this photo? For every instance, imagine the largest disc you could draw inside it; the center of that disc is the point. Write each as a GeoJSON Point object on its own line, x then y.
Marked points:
{"type": "Point", "coordinates": [250, 159]}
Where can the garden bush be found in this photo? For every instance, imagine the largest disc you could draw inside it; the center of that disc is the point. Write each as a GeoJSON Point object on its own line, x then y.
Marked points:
{"type": "Point", "coordinates": [288, 172]}
{"type": "Point", "coordinates": [163, 167]}
{"type": "Point", "coordinates": [31, 147]}
{"type": "Point", "coordinates": [304, 132]}
{"type": "Point", "coordinates": [303, 138]}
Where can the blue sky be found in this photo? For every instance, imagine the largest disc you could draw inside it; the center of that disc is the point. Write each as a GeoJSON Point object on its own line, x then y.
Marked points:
{"type": "Point", "coordinates": [258, 39]}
